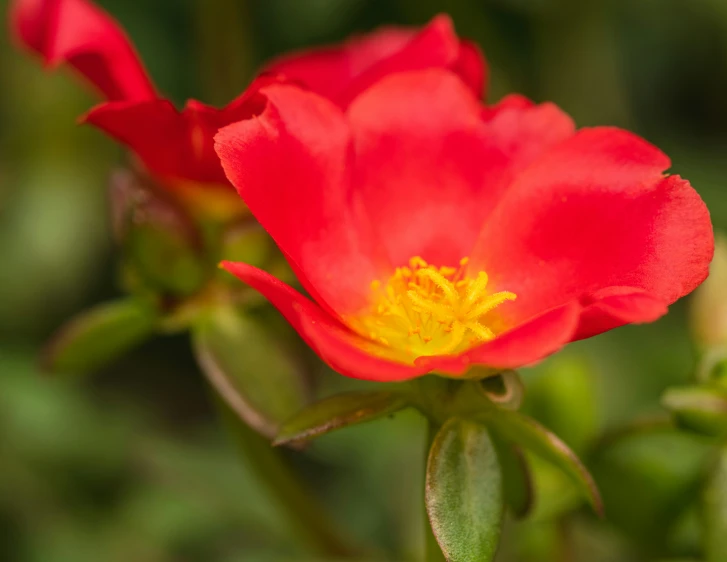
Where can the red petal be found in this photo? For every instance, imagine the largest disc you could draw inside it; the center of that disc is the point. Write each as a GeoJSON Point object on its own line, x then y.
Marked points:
{"type": "Point", "coordinates": [616, 306]}
{"type": "Point", "coordinates": [595, 212]}
{"type": "Point", "coordinates": [523, 130]}
{"type": "Point", "coordinates": [78, 32]}
{"type": "Point", "coordinates": [174, 144]}
{"type": "Point", "coordinates": [523, 345]}
{"type": "Point", "coordinates": [435, 46]}
{"type": "Point", "coordinates": [344, 351]}
{"type": "Point", "coordinates": [471, 67]}
{"type": "Point", "coordinates": [342, 73]}
{"type": "Point", "coordinates": [291, 165]}
{"type": "Point", "coordinates": [328, 71]}
{"type": "Point", "coordinates": [432, 168]}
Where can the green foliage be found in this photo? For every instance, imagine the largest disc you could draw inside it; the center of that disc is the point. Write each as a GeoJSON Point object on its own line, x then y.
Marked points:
{"type": "Point", "coordinates": [252, 371]}
{"type": "Point", "coordinates": [516, 476]}
{"type": "Point", "coordinates": [532, 436]}
{"type": "Point", "coordinates": [564, 397]}
{"type": "Point", "coordinates": [100, 335]}
{"type": "Point", "coordinates": [661, 467]}
{"type": "Point", "coordinates": [715, 510]}
{"type": "Point", "coordinates": [702, 409]}
{"type": "Point", "coordinates": [464, 492]}
{"type": "Point", "coordinates": [337, 412]}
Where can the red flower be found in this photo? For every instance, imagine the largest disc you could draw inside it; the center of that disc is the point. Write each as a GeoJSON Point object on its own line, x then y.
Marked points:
{"type": "Point", "coordinates": [177, 146]}
{"type": "Point", "coordinates": [433, 234]}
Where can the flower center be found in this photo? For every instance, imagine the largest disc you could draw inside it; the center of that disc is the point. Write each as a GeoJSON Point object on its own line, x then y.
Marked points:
{"type": "Point", "coordinates": [425, 310]}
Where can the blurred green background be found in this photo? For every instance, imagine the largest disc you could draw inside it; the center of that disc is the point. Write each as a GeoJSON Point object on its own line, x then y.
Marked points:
{"type": "Point", "coordinates": [129, 465]}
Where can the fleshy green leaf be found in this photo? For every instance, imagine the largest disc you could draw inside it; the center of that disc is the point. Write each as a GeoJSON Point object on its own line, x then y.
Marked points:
{"type": "Point", "coordinates": [530, 435]}
{"type": "Point", "coordinates": [699, 408]}
{"type": "Point", "coordinates": [715, 511]}
{"type": "Point", "coordinates": [251, 371]}
{"type": "Point", "coordinates": [99, 335]}
{"type": "Point", "coordinates": [464, 492]}
{"type": "Point", "coordinates": [339, 411]}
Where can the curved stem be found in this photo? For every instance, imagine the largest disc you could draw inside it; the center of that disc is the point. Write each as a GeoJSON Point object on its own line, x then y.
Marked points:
{"type": "Point", "coordinates": [433, 553]}
{"type": "Point", "coordinates": [303, 512]}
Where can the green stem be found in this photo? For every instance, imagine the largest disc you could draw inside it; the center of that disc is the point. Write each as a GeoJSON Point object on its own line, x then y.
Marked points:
{"type": "Point", "coordinates": [304, 514]}
{"type": "Point", "coordinates": [431, 548]}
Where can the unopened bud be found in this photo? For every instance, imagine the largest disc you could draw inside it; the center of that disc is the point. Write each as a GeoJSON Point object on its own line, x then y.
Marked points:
{"type": "Point", "coordinates": [708, 314]}
{"type": "Point", "coordinates": [161, 243]}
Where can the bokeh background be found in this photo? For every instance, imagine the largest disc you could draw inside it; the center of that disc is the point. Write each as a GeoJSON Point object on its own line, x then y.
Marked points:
{"type": "Point", "coordinates": [129, 464]}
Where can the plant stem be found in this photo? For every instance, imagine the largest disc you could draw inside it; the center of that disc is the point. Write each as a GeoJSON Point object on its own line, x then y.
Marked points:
{"type": "Point", "coordinates": [433, 553]}
{"type": "Point", "coordinates": [304, 514]}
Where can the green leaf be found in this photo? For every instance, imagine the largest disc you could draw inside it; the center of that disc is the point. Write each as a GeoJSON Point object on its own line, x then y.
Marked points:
{"type": "Point", "coordinates": [715, 511]}
{"type": "Point", "coordinates": [517, 478]}
{"type": "Point", "coordinates": [339, 411]}
{"type": "Point", "coordinates": [464, 492]}
{"type": "Point", "coordinates": [99, 335]}
{"type": "Point", "coordinates": [255, 375]}
{"type": "Point", "coordinates": [529, 434]}
{"type": "Point", "coordinates": [699, 408]}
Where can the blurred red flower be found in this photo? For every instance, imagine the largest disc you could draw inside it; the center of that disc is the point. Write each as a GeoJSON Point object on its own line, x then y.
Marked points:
{"type": "Point", "coordinates": [177, 146]}
{"type": "Point", "coordinates": [433, 233]}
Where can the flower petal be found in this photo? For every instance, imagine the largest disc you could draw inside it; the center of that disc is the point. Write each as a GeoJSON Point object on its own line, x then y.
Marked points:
{"type": "Point", "coordinates": [431, 166]}
{"type": "Point", "coordinates": [527, 343]}
{"type": "Point", "coordinates": [524, 130]}
{"type": "Point", "coordinates": [174, 144]}
{"type": "Point", "coordinates": [612, 307]}
{"type": "Point", "coordinates": [291, 166]}
{"type": "Point", "coordinates": [471, 67]}
{"type": "Point", "coordinates": [328, 71]}
{"type": "Point", "coordinates": [345, 352]}
{"type": "Point", "coordinates": [592, 213]}
{"type": "Point", "coordinates": [80, 33]}
{"type": "Point", "coordinates": [435, 46]}
{"type": "Point", "coordinates": [342, 73]}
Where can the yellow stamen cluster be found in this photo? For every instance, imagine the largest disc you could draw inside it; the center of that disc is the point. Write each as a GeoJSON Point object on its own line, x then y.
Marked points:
{"type": "Point", "coordinates": [428, 310]}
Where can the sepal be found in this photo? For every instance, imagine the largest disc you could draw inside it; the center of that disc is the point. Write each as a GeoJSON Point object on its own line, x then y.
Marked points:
{"type": "Point", "coordinates": [517, 476]}
{"type": "Point", "coordinates": [506, 389]}
{"type": "Point", "coordinates": [530, 435]}
{"type": "Point", "coordinates": [338, 411]}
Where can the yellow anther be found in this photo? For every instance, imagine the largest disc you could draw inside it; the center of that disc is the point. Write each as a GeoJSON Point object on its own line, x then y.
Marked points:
{"type": "Point", "coordinates": [482, 332]}
{"type": "Point", "coordinates": [441, 281]}
{"type": "Point", "coordinates": [425, 310]}
{"type": "Point", "coordinates": [476, 289]}
{"type": "Point", "coordinates": [490, 303]}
